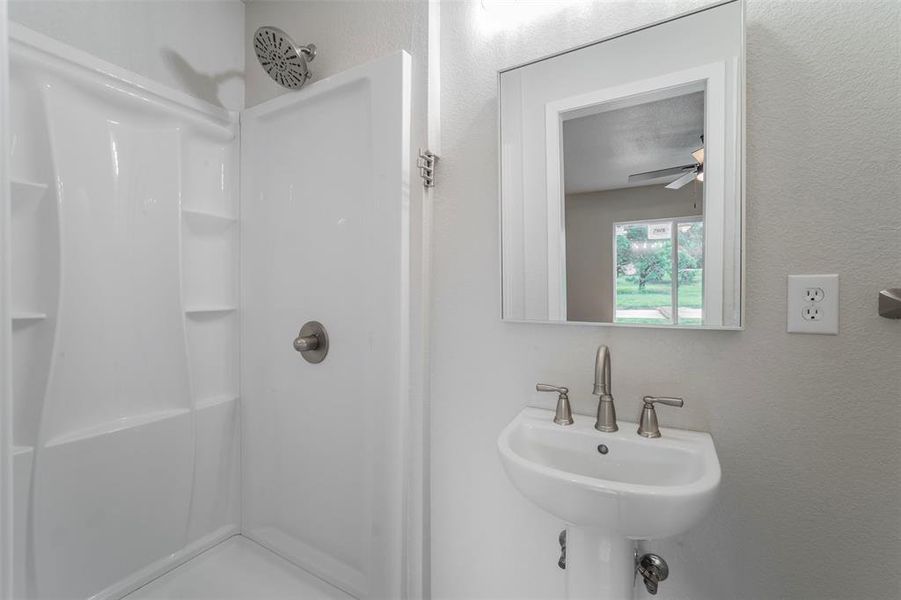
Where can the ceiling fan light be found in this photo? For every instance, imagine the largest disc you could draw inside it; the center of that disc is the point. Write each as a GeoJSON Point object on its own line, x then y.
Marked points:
{"type": "Point", "coordinates": [698, 155]}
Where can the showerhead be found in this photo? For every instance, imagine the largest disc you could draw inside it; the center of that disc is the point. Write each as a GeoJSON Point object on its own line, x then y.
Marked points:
{"type": "Point", "coordinates": [282, 59]}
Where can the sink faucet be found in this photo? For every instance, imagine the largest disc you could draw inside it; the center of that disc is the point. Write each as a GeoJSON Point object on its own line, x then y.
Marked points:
{"type": "Point", "coordinates": [606, 411]}
{"type": "Point", "coordinates": [564, 414]}
{"type": "Point", "coordinates": [648, 426]}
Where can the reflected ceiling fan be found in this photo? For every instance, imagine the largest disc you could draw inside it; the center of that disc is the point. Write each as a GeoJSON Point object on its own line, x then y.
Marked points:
{"type": "Point", "coordinates": [688, 173]}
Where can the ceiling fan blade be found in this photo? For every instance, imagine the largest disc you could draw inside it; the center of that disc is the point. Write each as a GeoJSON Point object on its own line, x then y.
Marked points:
{"type": "Point", "coordinates": [684, 180]}
{"type": "Point", "coordinates": [659, 173]}
{"type": "Point", "coordinates": [698, 155]}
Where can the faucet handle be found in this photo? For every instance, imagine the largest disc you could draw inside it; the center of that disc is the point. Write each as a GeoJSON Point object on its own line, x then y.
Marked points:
{"type": "Point", "coordinates": [648, 426]}
{"type": "Point", "coordinates": [544, 387]}
{"type": "Point", "coordinates": [564, 413]}
{"type": "Point", "coordinates": [677, 402]}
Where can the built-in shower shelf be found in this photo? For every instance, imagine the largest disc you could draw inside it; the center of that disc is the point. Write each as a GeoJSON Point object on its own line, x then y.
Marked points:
{"type": "Point", "coordinates": [207, 222]}
{"type": "Point", "coordinates": [115, 425]}
{"type": "Point", "coordinates": [26, 192]}
{"type": "Point", "coordinates": [210, 309]}
{"type": "Point", "coordinates": [28, 316]}
{"type": "Point", "coordinates": [212, 401]}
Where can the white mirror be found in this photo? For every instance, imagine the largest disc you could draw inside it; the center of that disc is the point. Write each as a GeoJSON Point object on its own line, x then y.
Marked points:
{"type": "Point", "coordinates": [622, 178]}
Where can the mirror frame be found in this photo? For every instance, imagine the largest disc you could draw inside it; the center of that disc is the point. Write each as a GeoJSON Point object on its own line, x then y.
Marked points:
{"type": "Point", "coordinates": [554, 114]}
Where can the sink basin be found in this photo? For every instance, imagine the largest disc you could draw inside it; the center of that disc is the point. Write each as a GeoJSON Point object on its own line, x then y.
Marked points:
{"type": "Point", "coordinates": [640, 489]}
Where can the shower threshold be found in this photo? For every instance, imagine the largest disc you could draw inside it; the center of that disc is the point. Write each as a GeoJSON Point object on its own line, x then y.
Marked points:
{"type": "Point", "coordinates": [237, 569]}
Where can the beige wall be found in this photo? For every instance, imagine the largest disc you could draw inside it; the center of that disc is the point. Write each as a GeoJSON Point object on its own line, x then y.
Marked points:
{"type": "Point", "coordinates": [196, 46]}
{"type": "Point", "coordinates": [806, 427]}
{"type": "Point", "coordinates": [589, 239]}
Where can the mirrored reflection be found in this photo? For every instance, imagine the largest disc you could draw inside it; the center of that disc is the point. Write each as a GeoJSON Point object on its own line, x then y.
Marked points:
{"type": "Point", "coordinates": [631, 176]}
{"type": "Point", "coordinates": [659, 272]}
{"type": "Point", "coordinates": [621, 196]}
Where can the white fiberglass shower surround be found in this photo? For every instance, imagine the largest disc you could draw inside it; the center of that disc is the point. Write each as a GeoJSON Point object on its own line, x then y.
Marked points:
{"type": "Point", "coordinates": [163, 255]}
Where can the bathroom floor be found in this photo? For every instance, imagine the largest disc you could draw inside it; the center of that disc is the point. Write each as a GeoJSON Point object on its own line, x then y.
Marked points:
{"type": "Point", "coordinates": [238, 568]}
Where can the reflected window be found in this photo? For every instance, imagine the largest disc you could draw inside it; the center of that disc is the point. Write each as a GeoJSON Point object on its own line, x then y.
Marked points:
{"type": "Point", "coordinates": [659, 272]}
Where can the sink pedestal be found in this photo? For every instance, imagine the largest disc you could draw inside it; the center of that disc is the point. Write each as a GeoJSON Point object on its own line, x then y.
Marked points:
{"type": "Point", "coordinates": [598, 566]}
{"type": "Point", "coordinates": [610, 488]}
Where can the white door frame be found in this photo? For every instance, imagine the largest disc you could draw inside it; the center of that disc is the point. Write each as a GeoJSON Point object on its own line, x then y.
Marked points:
{"type": "Point", "coordinates": [712, 79]}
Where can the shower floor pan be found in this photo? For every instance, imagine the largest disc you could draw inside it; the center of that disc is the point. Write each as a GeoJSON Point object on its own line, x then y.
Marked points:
{"type": "Point", "coordinates": [237, 569]}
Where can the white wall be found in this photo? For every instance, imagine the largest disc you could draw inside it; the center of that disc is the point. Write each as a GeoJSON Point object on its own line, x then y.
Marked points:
{"type": "Point", "coordinates": [807, 427]}
{"type": "Point", "coordinates": [196, 46]}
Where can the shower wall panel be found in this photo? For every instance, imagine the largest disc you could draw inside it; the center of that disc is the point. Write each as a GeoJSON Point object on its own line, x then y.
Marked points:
{"type": "Point", "coordinates": [125, 334]}
{"type": "Point", "coordinates": [325, 229]}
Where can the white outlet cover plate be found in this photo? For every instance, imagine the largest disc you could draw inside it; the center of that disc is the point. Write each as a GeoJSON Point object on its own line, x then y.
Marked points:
{"type": "Point", "coordinates": [828, 306]}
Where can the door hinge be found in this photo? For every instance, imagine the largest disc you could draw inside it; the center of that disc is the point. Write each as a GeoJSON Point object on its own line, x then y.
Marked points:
{"type": "Point", "coordinates": [426, 163]}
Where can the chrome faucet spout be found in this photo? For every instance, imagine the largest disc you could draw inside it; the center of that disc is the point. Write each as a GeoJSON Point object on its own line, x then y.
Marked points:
{"type": "Point", "coordinates": [606, 420]}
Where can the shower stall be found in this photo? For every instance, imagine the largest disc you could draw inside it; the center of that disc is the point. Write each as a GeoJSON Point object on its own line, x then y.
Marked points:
{"type": "Point", "coordinates": [163, 254]}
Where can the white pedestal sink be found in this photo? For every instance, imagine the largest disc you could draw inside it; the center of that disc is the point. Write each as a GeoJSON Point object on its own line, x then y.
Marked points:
{"type": "Point", "coordinates": [639, 489]}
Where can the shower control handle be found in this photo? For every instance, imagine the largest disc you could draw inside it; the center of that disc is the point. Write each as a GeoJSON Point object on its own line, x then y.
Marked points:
{"type": "Point", "coordinates": [312, 342]}
{"type": "Point", "coordinates": [303, 343]}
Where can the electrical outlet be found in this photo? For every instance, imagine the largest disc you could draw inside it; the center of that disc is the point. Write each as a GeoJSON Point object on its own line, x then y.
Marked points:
{"type": "Point", "coordinates": [811, 313]}
{"type": "Point", "coordinates": [814, 294]}
{"type": "Point", "coordinates": [813, 304]}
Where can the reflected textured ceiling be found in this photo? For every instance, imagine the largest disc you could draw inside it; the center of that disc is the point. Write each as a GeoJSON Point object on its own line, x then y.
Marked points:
{"type": "Point", "coordinates": [600, 151]}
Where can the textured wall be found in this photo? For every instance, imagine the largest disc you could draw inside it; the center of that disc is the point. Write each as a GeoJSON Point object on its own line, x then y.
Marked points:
{"type": "Point", "coordinates": [807, 427]}
{"type": "Point", "coordinates": [196, 46]}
